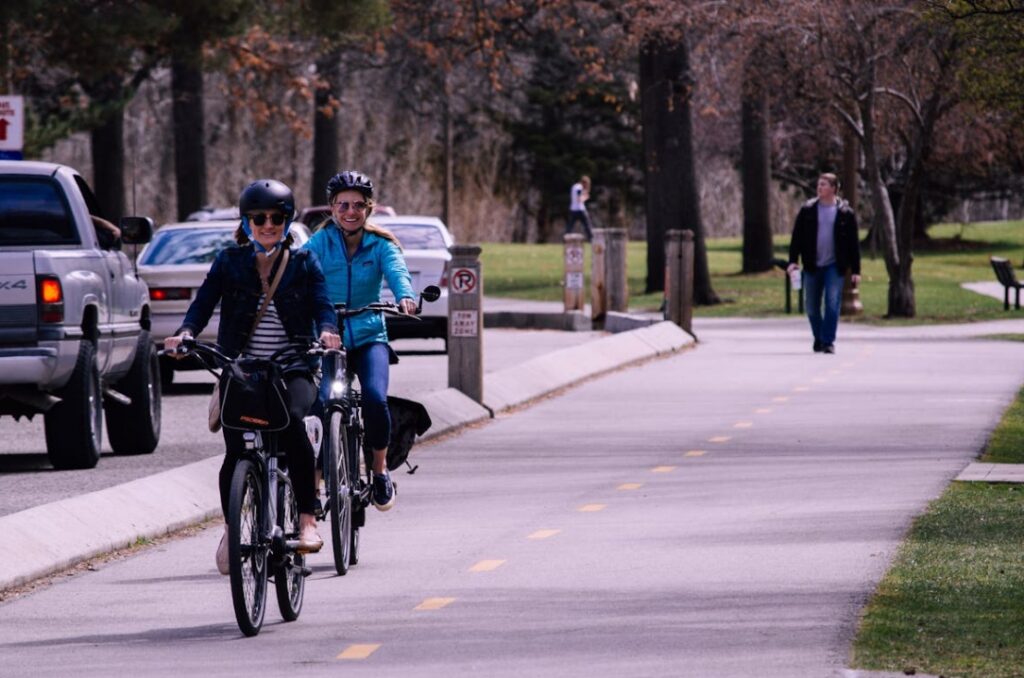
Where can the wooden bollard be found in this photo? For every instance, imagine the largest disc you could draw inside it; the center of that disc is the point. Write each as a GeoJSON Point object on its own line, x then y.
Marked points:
{"type": "Point", "coordinates": [465, 322]}
{"type": "Point", "coordinates": [573, 272]}
{"type": "Point", "coordinates": [679, 278]}
{"type": "Point", "coordinates": [598, 288]}
{"type": "Point", "coordinates": [615, 269]}
{"type": "Point", "coordinates": [851, 304]}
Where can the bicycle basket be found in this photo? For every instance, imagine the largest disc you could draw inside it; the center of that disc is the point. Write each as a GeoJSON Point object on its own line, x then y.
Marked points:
{"type": "Point", "coordinates": [253, 396]}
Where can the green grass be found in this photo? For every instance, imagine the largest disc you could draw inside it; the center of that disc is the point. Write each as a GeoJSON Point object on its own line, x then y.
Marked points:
{"type": "Point", "coordinates": [953, 601]}
{"type": "Point", "coordinates": [957, 254]}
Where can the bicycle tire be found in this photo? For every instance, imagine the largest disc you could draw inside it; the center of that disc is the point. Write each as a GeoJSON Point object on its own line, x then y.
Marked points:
{"type": "Point", "coordinates": [289, 581]}
{"type": "Point", "coordinates": [339, 490]}
{"type": "Point", "coordinates": [247, 550]}
{"type": "Point", "coordinates": [357, 469]}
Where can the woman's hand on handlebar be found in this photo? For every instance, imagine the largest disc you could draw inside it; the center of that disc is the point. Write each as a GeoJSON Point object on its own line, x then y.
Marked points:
{"type": "Point", "coordinates": [330, 340]}
{"type": "Point", "coordinates": [172, 345]}
{"type": "Point", "coordinates": [407, 306]}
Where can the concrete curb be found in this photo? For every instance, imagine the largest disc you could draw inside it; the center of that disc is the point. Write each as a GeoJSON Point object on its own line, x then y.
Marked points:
{"type": "Point", "coordinates": [992, 473]}
{"type": "Point", "coordinates": [51, 537]}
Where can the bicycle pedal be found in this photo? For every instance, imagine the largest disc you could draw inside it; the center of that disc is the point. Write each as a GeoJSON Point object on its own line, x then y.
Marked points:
{"type": "Point", "coordinates": [305, 571]}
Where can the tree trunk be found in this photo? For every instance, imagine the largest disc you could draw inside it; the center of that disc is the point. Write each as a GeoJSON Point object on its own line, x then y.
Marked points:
{"type": "Point", "coordinates": [448, 152]}
{"type": "Point", "coordinates": [108, 165]}
{"type": "Point", "coordinates": [325, 127]}
{"type": "Point", "coordinates": [851, 163]}
{"type": "Point", "coordinates": [189, 136]}
{"type": "Point", "coordinates": [755, 174]}
{"type": "Point", "coordinates": [669, 162]}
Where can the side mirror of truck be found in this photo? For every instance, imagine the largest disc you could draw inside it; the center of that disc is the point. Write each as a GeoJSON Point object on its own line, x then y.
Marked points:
{"type": "Point", "coordinates": [136, 230]}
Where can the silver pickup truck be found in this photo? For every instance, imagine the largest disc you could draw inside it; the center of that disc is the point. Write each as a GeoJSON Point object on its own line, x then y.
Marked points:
{"type": "Point", "coordinates": [74, 318]}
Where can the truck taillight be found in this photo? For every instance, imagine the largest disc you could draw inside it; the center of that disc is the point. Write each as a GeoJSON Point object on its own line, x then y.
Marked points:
{"type": "Point", "coordinates": [51, 299]}
{"type": "Point", "coordinates": [444, 276]}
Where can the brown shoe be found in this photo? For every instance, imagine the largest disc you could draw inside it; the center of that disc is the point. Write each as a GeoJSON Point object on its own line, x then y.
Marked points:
{"type": "Point", "coordinates": [309, 541]}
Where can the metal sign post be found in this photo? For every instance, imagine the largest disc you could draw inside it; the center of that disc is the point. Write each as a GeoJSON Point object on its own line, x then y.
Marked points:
{"type": "Point", "coordinates": [465, 322]}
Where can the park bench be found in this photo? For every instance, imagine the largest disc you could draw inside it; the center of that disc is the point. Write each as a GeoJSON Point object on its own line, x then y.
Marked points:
{"type": "Point", "coordinates": [1007, 278]}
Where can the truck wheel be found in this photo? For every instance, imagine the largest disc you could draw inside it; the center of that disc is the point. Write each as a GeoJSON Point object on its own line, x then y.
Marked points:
{"type": "Point", "coordinates": [135, 428]}
{"type": "Point", "coordinates": [74, 426]}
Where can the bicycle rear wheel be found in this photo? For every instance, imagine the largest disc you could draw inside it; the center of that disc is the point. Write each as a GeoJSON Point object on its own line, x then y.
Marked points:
{"type": "Point", "coordinates": [247, 549]}
{"type": "Point", "coordinates": [358, 470]}
{"type": "Point", "coordinates": [339, 490]}
{"type": "Point", "coordinates": [289, 582]}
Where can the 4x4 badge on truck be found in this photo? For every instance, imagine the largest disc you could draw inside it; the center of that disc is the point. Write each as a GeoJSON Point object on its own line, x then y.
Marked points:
{"type": "Point", "coordinates": [16, 285]}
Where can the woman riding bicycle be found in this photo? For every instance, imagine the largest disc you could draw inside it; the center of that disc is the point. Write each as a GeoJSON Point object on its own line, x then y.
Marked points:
{"type": "Point", "coordinates": [356, 257]}
{"type": "Point", "coordinates": [239, 280]}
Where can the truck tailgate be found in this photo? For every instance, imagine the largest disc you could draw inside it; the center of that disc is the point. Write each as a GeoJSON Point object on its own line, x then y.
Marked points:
{"type": "Point", "coordinates": [17, 298]}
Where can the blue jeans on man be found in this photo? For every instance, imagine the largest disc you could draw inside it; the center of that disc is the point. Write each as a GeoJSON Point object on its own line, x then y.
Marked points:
{"type": "Point", "coordinates": [823, 288]}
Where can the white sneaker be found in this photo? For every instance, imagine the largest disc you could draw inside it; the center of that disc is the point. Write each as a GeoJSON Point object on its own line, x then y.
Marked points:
{"type": "Point", "coordinates": [222, 553]}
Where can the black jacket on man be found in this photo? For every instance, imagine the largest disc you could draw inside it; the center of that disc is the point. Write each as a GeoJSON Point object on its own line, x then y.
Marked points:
{"type": "Point", "coordinates": [804, 244]}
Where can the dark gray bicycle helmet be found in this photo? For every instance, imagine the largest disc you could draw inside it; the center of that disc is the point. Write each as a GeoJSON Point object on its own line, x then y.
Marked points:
{"type": "Point", "coordinates": [349, 180]}
{"type": "Point", "coordinates": [267, 194]}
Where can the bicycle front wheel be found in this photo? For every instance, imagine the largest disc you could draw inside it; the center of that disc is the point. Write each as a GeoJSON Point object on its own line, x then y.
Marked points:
{"type": "Point", "coordinates": [289, 581]}
{"type": "Point", "coordinates": [339, 490]}
{"type": "Point", "coordinates": [247, 549]}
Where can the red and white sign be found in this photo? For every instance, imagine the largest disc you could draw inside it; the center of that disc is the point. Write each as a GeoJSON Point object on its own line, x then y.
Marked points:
{"type": "Point", "coordinates": [12, 123]}
{"type": "Point", "coordinates": [574, 256]}
{"type": "Point", "coordinates": [463, 281]}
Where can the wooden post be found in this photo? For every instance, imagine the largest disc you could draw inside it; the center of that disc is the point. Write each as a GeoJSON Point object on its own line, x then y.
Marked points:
{"type": "Point", "coordinates": [573, 272]}
{"type": "Point", "coordinates": [465, 322]}
{"type": "Point", "coordinates": [679, 278]}
{"type": "Point", "coordinates": [615, 269]}
{"type": "Point", "coordinates": [598, 287]}
{"type": "Point", "coordinates": [851, 304]}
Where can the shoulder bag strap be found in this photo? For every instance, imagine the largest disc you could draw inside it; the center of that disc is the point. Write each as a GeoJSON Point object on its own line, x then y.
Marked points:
{"type": "Point", "coordinates": [270, 290]}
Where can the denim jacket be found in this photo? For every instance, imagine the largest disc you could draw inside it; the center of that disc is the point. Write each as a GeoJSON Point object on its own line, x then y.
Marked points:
{"type": "Point", "coordinates": [356, 282]}
{"type": "Point", "coordinates": [300, 299]}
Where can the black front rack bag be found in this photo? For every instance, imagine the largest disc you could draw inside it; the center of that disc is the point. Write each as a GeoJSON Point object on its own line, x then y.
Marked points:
{"type": "Point", "coordinates": [252, 396]}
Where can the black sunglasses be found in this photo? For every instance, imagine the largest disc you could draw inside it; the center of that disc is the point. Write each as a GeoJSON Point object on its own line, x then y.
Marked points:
{"type": "Point", "coordinates": [259, 219]}
{"type": "Point", "coordinates": [343, 205]}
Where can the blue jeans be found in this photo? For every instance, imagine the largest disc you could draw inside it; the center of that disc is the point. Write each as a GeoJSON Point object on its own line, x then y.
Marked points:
{"type": "Point", "coordinates": [824, 285]}
{"type": "Point", "coordinates": [371, 363]}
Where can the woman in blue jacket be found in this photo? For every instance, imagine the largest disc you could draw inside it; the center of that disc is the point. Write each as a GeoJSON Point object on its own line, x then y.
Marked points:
{"type": "Point", "coordinates": [356, 257]}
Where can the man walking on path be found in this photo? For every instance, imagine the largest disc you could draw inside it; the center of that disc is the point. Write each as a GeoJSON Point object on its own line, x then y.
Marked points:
{"type": "Point", "coordinates": [578, 196]}
{"type": "Point", "coordinates": [825, 238]}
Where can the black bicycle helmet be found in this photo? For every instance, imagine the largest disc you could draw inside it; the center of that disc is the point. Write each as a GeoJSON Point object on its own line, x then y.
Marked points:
{"type": "Point", "coordinates": [267, 194]}
{"type": "Point", "coordinates": [349, 180]}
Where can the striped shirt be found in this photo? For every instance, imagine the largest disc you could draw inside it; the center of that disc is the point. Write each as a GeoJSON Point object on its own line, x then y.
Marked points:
{"type": "Point", "coordinates": [270, 336]}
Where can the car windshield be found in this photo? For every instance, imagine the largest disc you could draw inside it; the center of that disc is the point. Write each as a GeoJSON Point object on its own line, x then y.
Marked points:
{"type": "Point", "coordinates": [34, 212]}
{"type": "Point", "coordinates": [418, 236]}
{"type": "Point", "coordinates": [188, 246]}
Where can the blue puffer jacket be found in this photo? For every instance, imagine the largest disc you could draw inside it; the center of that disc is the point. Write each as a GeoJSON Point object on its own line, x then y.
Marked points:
{"type": "Point", "coordinates": [357, 282]}
{"type": "Point", "coordinates": [301, 298]}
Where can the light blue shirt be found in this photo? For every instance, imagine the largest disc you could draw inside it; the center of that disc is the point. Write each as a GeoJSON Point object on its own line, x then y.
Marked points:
{"type": "Point", "coordinates": [826, 251]}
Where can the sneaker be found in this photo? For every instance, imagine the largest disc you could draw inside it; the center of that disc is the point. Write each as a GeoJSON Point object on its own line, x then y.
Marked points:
{"type": "Point", "coordinates": [382, 494]}
{"type": "Point", "coordinates": [829, 348]}
{"type": "Point", "coordinates": [818, 346]}
{"type": "Point", "coordinates": [222, 553]}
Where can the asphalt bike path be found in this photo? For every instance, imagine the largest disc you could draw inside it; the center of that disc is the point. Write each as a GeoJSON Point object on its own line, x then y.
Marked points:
{"type": "Point", "coordinates": [722, 512]}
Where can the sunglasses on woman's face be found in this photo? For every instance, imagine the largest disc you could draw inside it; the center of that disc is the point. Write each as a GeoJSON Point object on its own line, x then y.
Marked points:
{"type": "Point", "coordinates": [259, 219]}
{"type": "Point", "coordinates": [343, 205]}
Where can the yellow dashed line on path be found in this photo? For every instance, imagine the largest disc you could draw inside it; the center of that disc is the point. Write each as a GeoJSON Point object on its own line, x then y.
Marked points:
{"type": "Point", "coordinates": [592, 508]}
{"type": "Point", "coordinates": [720, 439]}
{"type": "Point", "coordinates": [743, 424]}
{"type": "Point", "coordinates": [543, 534]}
{"type": "Point", "coordinates": [359, 651]}
{"type": "Point", "coordinates": [695, 453]}
{"type": "Point", "coordinates": [780, 399]}
{"type": "Point", "coordinates": [487, 565]}
{"type": "Point", "coordinates": [763, 410]}
{"type": "Point", "coordinates": [434, 603]}
{"type": "Point", "coordinates": [630, 486]}
{"type": "Point", "coordinates": [663, 469]}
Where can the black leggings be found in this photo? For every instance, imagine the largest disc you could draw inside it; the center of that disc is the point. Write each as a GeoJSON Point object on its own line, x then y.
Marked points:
{"type": "Point", "coordinates": [301, 461]}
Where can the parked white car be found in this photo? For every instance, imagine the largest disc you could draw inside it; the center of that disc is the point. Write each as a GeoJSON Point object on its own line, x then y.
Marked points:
{"type": "Point", "coordinates": [174, 265]}
{"type": "Point", "coordinates": [425, 242]}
